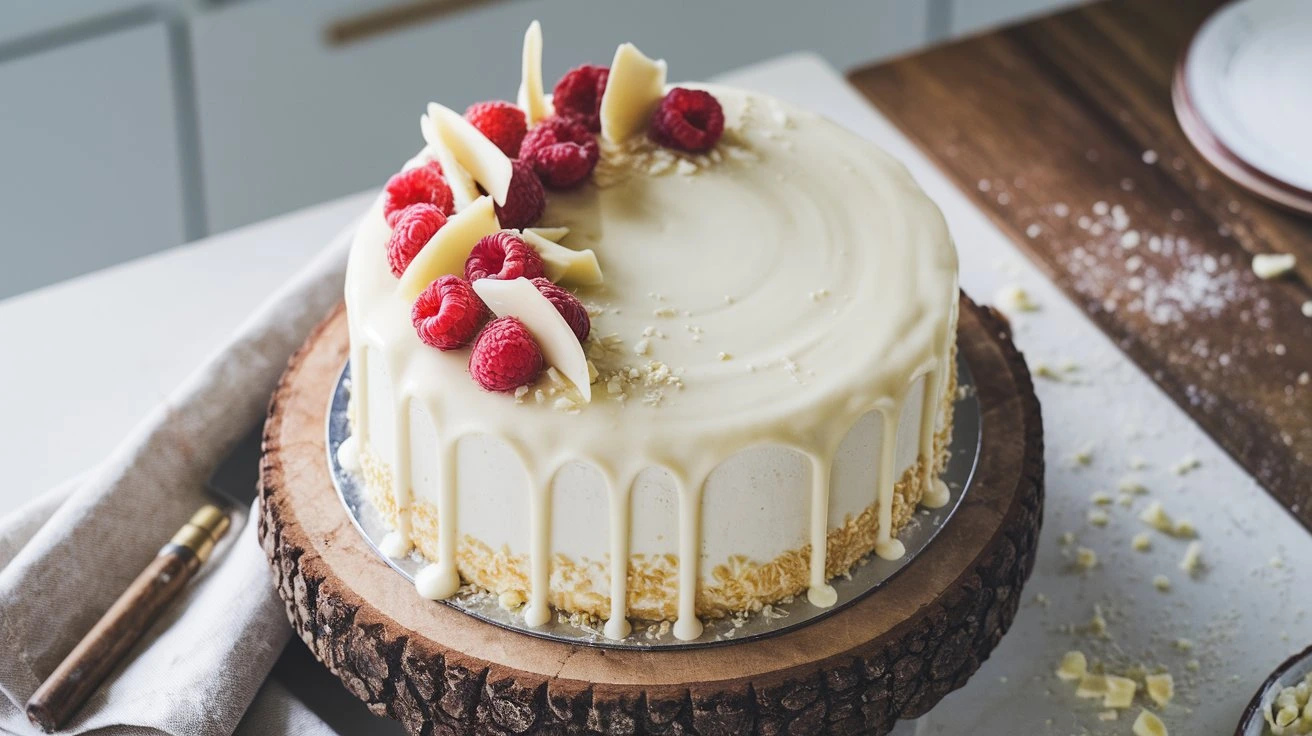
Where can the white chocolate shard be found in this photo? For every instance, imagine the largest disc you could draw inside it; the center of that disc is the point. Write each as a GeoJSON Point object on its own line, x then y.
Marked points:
{"type": "Point", "coordinates": [488, 164]}
{"type": "Point", "coordinates": [554, 234]}
{"type": "Point", "coordinates": [633, 90]}
{"type": "Point", "coordinates": [1074, 666]}
{"type": "Point", "coordinates": [463, 189]}
{"type": "Point", "coordinates": [1161, 688]}
{"type": "Point", "coordinates": [564, 265]}
{"type": "Point", "coordinates": [532, 100]}
{"type": "Point", "coordinates": [519, 298]}
{"type": "Point", "coordinates": [446, 252]}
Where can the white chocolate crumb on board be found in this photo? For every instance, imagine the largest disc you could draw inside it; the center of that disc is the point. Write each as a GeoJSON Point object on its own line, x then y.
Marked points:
{"type": "Point", "coordinates": [1085, 558]}
{"type": "Point", "coordinates": [1161, 688]}
{"type": "Point", "coordinates": [1148, 724]}
{"type": "Point", "coordinates": [1120, 692]}
{"type": "Point", "coordinates": [1186, 464]}
{"type": "Point", "coordinates": [1155, 516]}
{"type": "Point", "coordinates": [1192, 562]}
{"type": "Point", "coordinates": [1015, 299]}
{"type": "Point", "coordinates": [1073, 667]}
{"type": "Point", "coordinates": [1273, 265]}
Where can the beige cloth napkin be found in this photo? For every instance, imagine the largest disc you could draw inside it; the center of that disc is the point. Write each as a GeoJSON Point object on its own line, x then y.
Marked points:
{"type": "Point", "coordinates": [65, 557]}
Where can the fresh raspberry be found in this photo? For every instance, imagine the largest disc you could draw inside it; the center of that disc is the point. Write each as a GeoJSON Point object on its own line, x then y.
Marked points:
{"type": "Point", "coordinates": [561, 151]}
{"type": "Point", "coordinates": [578, 95]}
{"type": "Point", "coordinates": [502, 256]}
{"type": "Point", "coordinates": [412, 186]}
{"type": "Point", "coordinates": [448, 313]}
{"type": "Point", "coordinates": [569, 306]}
{"type": "Point", "coordinates": [411, 230]}
{"type": "Point", "coordinates": [502, 123]}
{"type": "Point", "coordinates": [688, 119]}
{"type": "Point", "coordinates": [505, 356]}
{"type": "Point", "coordinates": [525, 200]}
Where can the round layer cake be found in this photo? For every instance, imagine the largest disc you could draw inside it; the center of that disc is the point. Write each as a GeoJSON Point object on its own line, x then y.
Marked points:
{"type": "Point", "coordinates": [769, 378]}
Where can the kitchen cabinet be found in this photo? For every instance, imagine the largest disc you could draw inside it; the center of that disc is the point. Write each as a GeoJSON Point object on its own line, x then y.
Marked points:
{"type": "Point", "coordinates": [972, 16]}
{"type": "Point", "coordinates": [90, 172]}
{"type": "Point", "coordinates": [287, 118]}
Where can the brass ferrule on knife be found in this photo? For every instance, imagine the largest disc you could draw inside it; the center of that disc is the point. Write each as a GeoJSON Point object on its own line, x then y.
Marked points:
{"type": "Point", "coordinates": [205, 528]}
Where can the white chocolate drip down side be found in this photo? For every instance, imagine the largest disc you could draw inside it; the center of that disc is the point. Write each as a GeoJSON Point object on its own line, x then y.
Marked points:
{"type": "Point", "coordinates": [843, 302]}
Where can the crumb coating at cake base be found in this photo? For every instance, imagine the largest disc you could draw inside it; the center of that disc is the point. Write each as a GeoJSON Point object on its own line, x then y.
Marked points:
{"type": "Point", "coordinates": [789, 296]}
{"type": "Point", "coordinates": [736, 585]}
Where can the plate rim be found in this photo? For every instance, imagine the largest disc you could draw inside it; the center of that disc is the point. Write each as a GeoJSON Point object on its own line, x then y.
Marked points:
{"type": "Point", "coordinates": [1208, 142]}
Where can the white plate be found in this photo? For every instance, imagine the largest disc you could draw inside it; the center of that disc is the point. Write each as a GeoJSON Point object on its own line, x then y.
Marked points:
{"type": "Point", "coordinates": [1243, 94]}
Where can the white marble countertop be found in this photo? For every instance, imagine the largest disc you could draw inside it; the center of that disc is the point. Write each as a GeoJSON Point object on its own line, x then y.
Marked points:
{"type": "Point", "coordinates": [90, 356]}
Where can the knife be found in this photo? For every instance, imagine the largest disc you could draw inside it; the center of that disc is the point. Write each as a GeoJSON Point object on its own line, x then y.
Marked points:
{"type": "Point", "coordinates": [231, 490]}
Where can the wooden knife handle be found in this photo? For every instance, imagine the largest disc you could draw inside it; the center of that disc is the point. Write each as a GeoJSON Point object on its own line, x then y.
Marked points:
{"type": "Point", "coordinates": [82, 671]}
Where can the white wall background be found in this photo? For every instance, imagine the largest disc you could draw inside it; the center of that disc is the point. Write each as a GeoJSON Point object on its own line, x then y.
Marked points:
{"type": "Point", "coordinates": [130, 126]}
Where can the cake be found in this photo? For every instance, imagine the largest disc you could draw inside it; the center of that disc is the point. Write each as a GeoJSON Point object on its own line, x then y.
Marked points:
{"type": "Point", "coordinates": [721, 352]}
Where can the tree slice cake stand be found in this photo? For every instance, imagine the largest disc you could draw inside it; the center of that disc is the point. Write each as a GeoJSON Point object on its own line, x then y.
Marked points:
{"type": "Point", "coordinates": [893, 654]}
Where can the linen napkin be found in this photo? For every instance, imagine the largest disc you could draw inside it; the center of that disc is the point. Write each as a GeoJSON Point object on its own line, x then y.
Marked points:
{"type": "Point", "coordinates": [65, 557]}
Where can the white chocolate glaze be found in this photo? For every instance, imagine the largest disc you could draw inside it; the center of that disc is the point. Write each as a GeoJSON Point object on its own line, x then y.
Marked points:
{"type": "Point", "coordinates": [803, 252]}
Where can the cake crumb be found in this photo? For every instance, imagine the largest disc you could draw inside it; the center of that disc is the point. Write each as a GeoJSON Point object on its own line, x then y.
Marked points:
{"type": "Point", "coordinates": [1148, 724]}
{"type": "Point", "coordinates": [1186, 464]}
{"type": "Point", "coordinates": [1014, 298]}
{"type": "Point", "coordinates": [1192, 562]}
{"type": "Point", "coordinates": [1162, 583]}
{"type": "Point", "coordinates": [1161, 688]}
{"type": "Point", "coordinates": [1098, 517]}
{"type": "Point", "coordinates": [1073, 667]}
{"type": "Point", "coordinates": [723, 356]}
{"type": "Point", "coordinates": [1156, 517]}
{"type": "Point", "coordinates": [1141, 542]}
{"type": "Point", "coordinates": [1085, 558]}
{"type": "Point", "coordinates": [1120, 692]}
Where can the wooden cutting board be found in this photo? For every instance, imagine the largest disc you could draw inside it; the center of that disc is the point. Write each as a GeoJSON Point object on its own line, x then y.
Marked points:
{"type": "Point", "coordinates": [1063, 131]}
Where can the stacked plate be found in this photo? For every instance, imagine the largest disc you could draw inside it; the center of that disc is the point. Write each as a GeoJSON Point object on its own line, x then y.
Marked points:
{"type": "Point", "coordinates": [1243, 94]}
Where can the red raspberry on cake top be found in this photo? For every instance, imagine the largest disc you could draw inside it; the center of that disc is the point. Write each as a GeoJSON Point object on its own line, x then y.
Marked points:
{"type": "Point", "coordinates": [569, 306]}
{"type": "Point", "coordinates": [504, 256]}
{"type": "Point", "coordinates": [578, 95]}
{"type": "Point", "coordinates": [503, 123]}
{"type": "Point", "coordinates": [412, 228]}
{"type": "Point", "coordinates": [561, 151]}
{"type": "Point", "coordinates": [525, 200]}
{"type": "Point", "coordinates": [689, 120]}
{"type": "Point", "coordinates": [505, 356]}
{"type": "Point", "coordinates": [448, 313]}
{"type": "Point", "coordinates": [422, 184]}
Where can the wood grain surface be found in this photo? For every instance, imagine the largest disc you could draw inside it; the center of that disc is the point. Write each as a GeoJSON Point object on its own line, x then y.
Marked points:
{"type": "Point", "coordinates": [891, 655]}
{"type": "Point", "coordinates": [1063, 131]}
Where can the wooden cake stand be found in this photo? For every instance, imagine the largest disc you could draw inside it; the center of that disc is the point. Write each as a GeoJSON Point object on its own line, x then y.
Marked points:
{"type": "Point", "coordinates": [891, 655]}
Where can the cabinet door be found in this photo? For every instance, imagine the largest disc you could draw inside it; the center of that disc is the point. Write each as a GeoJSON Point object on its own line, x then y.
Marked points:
{"type": "Point", "coordinates": [23, 19]}
{"type": "Point", "coordinates": [89, 165]}
{"type": "Point", "coordinates": [973, 16]}
{"type": "Point", "coordinates": [288, 119]}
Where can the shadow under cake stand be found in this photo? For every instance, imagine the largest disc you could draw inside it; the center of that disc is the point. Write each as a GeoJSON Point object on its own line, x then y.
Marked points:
{"type": "Point", "coordinates": [891, 655]}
